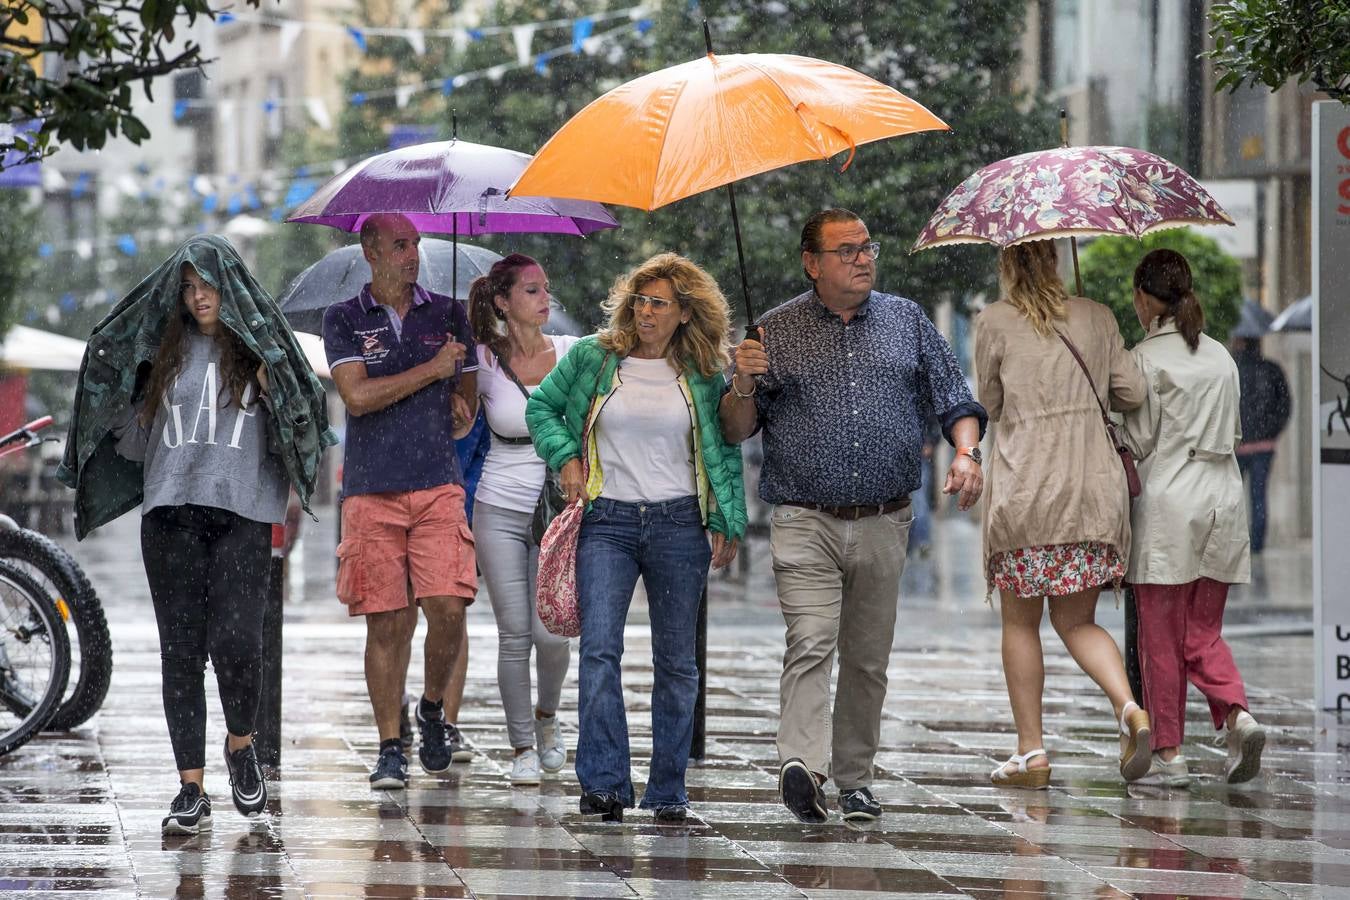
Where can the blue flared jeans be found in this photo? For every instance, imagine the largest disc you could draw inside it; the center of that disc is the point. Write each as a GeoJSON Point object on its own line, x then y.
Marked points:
{"type": "Point", "coordinates": [666, 544]}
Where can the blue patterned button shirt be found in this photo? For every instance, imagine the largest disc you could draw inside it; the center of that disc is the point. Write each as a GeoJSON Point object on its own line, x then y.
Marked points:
{"type": "Point", "coordinates": [842, 407]}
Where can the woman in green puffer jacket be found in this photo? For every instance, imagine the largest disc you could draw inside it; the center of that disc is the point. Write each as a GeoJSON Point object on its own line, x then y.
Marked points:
{"type": "Point", "coordinates": [665, 499]}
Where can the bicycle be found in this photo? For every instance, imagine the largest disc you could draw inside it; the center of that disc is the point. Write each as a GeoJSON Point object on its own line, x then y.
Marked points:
{"type": "Point", "coordinates": [54, 572]}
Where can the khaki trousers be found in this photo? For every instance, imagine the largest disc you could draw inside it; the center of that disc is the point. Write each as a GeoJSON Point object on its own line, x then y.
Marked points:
{"type": "Point", "coordinates": [838, 586]}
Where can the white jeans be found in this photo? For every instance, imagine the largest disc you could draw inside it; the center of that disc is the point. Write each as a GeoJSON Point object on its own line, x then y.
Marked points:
{"type": "Point", "coordinates": [509, 562]}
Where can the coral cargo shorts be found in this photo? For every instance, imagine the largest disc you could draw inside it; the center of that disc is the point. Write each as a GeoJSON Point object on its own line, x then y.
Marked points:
{"type": "Point", "coordinates": [395, 540]}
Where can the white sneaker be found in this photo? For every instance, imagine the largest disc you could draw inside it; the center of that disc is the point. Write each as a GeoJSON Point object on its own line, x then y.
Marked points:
{"type": "Point", "coordinates": [548, 738]}
{"type": "Point", "coordinates": [525, 768]}
{"type": "Point", "coordinates": [1246, 739]}
{"type": "Point", "coordinates": [1172, 774]}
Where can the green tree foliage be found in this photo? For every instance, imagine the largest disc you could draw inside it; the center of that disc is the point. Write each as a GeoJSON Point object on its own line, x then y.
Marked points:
{"type": "Point", "coordinates": [91, 54]}
{"type": "Point", "coordinates": [18, 252]}
{"type": "Point", "coordinates": [1108, 276]}
{"type": "Point", "coordinates": [954, 56]}
{"type": "Point", "coordinates": [1271, 41]}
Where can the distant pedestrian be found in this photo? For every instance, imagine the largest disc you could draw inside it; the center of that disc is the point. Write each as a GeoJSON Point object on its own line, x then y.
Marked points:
{"type": "Point", "coordinates": [509, 307]}
{"type": "Point", "coordinates": [1265, 408]}
{"type": "Point", "coordinates": [1057, 517]}
{"type": "Point", "coordinates": [1190, 522]}
{"type": "Point", "coordinates": [216, 436]}
{"type": "Point", "coordinates": [403, 362]}
{"type": "Point", "coordinates": [843, 372]}
{"type": "Point", "coordinates": [662, 484]}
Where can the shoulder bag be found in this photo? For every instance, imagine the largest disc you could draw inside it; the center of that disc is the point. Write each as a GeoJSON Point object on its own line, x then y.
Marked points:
{"type": "Point", "coordinates": [550, 501]}
{"type": "Point", "coordinates": [1126, 460]}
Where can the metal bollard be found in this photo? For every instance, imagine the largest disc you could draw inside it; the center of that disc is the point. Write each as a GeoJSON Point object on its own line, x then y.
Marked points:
{"type": "Point", "coordinates": [698, 746]}
{"type": "Point", "coordinates": [267, 741]}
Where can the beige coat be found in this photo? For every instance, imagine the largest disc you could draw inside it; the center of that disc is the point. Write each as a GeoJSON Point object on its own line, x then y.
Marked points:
{"type": "Point", "coordinates": [1191, 519]}
{"type": "Point", "coordinates": [1052, 476]}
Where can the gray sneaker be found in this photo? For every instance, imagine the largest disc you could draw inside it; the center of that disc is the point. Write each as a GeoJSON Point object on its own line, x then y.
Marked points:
{"type": "Point", "coordinates": [858, 805]}
{"type": "Point", "coordinates": [1172, 774]}
{"type": "Point", "coordinates": [549, 739]}
{"type": "Point", "coordinates": [1245, 741]}
{"type": "Point", "coordinates": [460, 751]}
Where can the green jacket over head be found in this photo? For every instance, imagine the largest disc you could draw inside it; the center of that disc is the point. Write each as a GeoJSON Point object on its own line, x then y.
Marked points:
{"type": "Point", "coordinates": [126, 341]}
{"type": "Point", "coordinates": [575, 391]}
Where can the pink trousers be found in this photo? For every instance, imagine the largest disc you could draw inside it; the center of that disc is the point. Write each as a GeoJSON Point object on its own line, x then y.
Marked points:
{"type": "Point", "coordinates": [1179, 639]}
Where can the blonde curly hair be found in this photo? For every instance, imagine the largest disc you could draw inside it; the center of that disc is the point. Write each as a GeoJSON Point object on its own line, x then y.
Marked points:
{"type": "Point", "coordinates": [702, 343]}
{"type": "Point", "coordinates": [1029, 281]}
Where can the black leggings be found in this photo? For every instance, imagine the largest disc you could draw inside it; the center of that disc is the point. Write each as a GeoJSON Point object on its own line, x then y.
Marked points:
{"type": "Point", "coordinates": [208, 572]}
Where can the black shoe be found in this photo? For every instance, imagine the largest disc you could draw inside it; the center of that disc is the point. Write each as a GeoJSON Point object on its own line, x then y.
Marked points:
{"type": "Point", "coordinates": [460, 751]}
{"type": "Point", "coordinates": [434, 751]}
{"type": "Point", "coordinates": [247, 788]}
{"type": "Point", "coordinates": [801, 794]}
{"type": "Point", "coordinates": [608, 807]}
{"type": "Point", "coordinates": [858, 805]}
{"type": "Point", "coordinates": [672, 815]}
{"type": "Point", "coordinates": [405, 727]}
{"type": "Point", "coordinates": [391, 772]}
{"type": "Point", "coordinates": [189, 813]}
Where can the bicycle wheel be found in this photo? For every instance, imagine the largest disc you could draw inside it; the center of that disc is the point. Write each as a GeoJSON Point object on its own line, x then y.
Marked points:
{"type": "Point", "coordinates": [34, 658]}
{"type": "Point", "coordinates": [47, 563]}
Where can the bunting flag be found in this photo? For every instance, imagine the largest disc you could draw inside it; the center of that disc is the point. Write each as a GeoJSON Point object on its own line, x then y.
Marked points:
{"type": "Point", "coordinates": [523, 36]}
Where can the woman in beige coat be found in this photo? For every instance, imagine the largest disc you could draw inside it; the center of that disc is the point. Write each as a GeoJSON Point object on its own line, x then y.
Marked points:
{"type": "Point", "coordinates": [1190, 522]}
{"type": "Point", "coordinates": [1056, 516]}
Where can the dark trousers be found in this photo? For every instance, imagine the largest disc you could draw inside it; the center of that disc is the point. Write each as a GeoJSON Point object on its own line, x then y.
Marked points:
{"type": "Point", "coordinates": [1257, 467]}
{"type": "Point", "coordinates": [208, 571]}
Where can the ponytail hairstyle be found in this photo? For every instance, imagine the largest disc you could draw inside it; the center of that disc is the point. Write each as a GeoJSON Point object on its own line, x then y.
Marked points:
{"type": "Point", "coordinates": [486, 318]}
{"type": "Point", "coordinates": [1166, 275]}
{"type": "Point", "coordinates": [1030, 283]}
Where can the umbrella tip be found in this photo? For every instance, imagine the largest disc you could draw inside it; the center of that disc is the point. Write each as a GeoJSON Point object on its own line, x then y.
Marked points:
{"type": "Point", "coordinates": [707, 36]}
{"type": "Point", "coordinates": [454, 124]}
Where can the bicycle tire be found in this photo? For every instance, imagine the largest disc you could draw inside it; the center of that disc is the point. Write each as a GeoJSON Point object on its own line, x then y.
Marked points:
{"type": "Point", "coordinates": [54, 626]}
{"type": "Point", "coordinates": [87, 690]}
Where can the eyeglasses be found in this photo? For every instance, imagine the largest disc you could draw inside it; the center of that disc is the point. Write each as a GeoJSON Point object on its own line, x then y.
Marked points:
{"type": "Point", "coordinates": [848, 253]}
{"type": "Point", "coordinates": [658, 304]}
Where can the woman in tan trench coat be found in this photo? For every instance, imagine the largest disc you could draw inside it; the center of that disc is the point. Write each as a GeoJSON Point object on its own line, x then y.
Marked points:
{"type": "Point", "coordinates": [1056, 515]}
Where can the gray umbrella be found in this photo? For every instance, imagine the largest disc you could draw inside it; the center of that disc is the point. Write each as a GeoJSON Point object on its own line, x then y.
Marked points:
{"type": "Point", "coordinates": [1296, 317]}
{"type": "Point", "coordinates": [341, 274]}
{"type": "Point", "coordinates": [1253, 322]}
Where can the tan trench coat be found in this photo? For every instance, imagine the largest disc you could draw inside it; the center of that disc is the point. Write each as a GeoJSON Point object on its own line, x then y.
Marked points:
{"type": "Point", "coordinates": [1191, 519]}
{"type": "Point", "coordinates": [1052, 476]}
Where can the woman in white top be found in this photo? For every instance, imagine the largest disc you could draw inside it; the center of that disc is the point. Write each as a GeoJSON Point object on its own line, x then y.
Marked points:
{"type": "Point", "coordinates": [509, 307]}
{"type": "Point", "coordinates": [1190, 522]}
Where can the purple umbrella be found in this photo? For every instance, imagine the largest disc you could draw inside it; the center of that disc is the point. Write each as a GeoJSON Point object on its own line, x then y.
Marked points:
{"type": "Point", "coordinates": [447, 187]}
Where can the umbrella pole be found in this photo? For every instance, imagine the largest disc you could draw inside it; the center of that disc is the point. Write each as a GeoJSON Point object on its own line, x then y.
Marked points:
{"type": "Point", "coordinates": [740, 257]}
{"type": "Point", "coordinates": [1077, 275]}
{"type": "Point", "coordinates": [454, 257]}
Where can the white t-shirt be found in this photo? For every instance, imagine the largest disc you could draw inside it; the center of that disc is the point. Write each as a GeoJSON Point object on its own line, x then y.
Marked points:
{"type": "Point", "coordinates": [513, 475]}
{"type": "Point", "coordinates": [645, 436]}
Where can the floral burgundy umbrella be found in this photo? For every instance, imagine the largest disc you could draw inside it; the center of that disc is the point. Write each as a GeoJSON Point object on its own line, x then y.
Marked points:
{"type": "Point", "coordinates": [1070, 192]}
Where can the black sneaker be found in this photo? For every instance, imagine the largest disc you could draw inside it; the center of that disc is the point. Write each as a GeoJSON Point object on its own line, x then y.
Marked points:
{"type": "Point", "coordinates": [607, 806]}
{"type": "Point", "coordinates": [858, 805]}
{"type": "Point", "coordinates": [460, 751]}
{"type": "Point", "coordinates": [434, 751]}
{"type": "Point", "coordinates": [247, 788]}
{"type": "Point", "coordinates": [671, 815]}
{"type": "Point", "coordinates": [190, 812]}
{"type": "Point", "coordinates": [801, 794]}
{"type": "Point", "coordinates": [391, 772]}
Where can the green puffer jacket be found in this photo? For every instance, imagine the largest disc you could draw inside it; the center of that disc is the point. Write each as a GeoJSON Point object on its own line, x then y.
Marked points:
{"type": "Point", "coordinates": [574, 393]}
{"type": "Point", "coordinates": [106, 484]}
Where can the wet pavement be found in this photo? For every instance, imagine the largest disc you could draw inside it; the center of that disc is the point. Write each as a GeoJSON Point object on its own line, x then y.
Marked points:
{"type": "Point", "coordinates": [81, 812]}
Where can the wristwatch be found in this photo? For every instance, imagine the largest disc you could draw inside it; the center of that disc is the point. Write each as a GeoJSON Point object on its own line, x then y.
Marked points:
{"type": "Point", "coordinates": [973, 453]}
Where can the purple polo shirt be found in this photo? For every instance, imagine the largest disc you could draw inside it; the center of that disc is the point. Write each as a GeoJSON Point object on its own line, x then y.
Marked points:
{"type": "Point", "coordinates": [408, 445]}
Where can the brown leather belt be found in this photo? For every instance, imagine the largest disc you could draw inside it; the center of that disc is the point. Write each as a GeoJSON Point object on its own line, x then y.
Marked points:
{"type": "Point", "coordinates": [853, 513]}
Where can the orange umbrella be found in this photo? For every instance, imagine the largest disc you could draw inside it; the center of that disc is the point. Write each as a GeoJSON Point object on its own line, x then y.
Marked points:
{"type": "Point", "coordinates": [707, 123]}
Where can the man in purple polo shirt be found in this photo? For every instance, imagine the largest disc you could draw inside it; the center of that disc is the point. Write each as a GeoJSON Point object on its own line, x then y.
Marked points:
{"type": "Point", "coordinates": [404, 361]}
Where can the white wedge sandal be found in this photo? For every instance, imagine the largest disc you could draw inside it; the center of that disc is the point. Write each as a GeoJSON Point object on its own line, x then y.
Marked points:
{"type": "Point", "coordinates": [1037, 779]}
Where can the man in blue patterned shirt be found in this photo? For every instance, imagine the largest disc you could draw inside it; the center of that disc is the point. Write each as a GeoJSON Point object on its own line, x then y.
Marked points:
{"type": "Point", "coordinates": [839, 383]}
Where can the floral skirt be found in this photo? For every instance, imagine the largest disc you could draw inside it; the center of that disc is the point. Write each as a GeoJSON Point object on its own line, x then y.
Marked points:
{"type": "Point", "coordinates": [1054, 570]}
